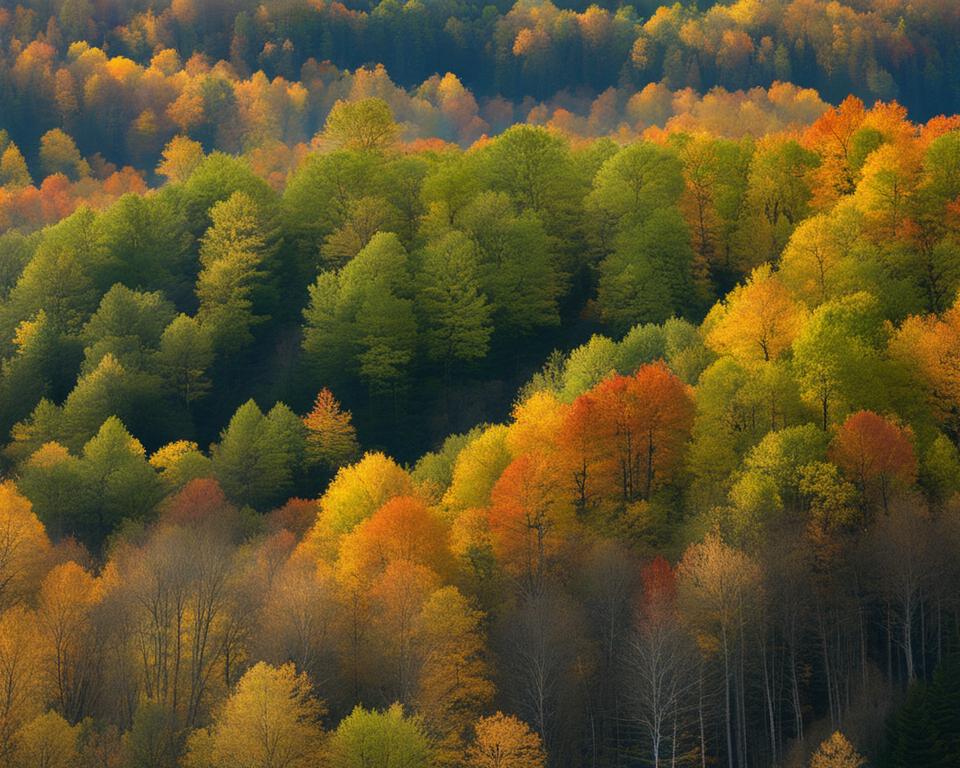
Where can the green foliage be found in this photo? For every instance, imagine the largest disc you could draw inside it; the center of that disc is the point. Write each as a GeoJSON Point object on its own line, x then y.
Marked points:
{"type": "Point", "coordinates": [647, 277]}
{"type": "Point", "coordinates": [232, 285]}
{"type": "Point", "coordinates": [455, 312]}
{"type": "Point", "coordinates": [257, 455]}
{"type": "Point", "coordinates": [372, 738]}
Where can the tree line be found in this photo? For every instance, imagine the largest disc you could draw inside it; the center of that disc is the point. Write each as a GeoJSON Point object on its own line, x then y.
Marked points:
{"type": "Point", "coordinates": [876, 50]}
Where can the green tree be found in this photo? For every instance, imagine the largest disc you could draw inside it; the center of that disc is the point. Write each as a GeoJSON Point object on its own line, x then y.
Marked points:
{"type": "Point", "coordinates": [235, 254]}
{"type": "Point", "coordinates": [366, 125]}
{"type": "Point", "coordinates": [184, 359]}
{"type": "Point", "coordinates": [127, 324]}
{"type": "Point", "coordinates": [148, 245]}
{"type": "Point", "coordinates": [215, 179]}
{"type": "Point", "coordinates": [647, 278]}
{"type": "Point", "coordinates": [56, 281]}
{"type": "Point", "coordinates": [836, 358]}
{"type": "Point", "coordinates": [42, 365]}
{"type": "Point", "coordinates": [118, 479]}
{"type": "Point", "coordinates": [372, 739]}
{"type": "Point", "coordinates": [631, 185]}
{"type": "Point", "coordinates": [455, 312]}
{"type": "Point", "coordinates": [53, 480]}
{"type": "Point", "coordinates": [338, 178]}
{"type": "Point", "coordinates": [256, 457]}
{"type": "Point", "coordinates": [59, 154]}
{"type": "Point", "coordinates": [47, 741]}
{"type": "Point", "coordinates": [518, 272]}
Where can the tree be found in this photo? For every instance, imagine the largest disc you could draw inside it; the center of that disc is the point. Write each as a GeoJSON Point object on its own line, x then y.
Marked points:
{"type": "Point", "coordinates": [180, 462]}
{"type": "Point", "coordinates": [517, 265]}
{"type": "Point", "coordinates": [69, 596]}
{"type": "Point", "coordinates": [647, 277]}
{"type": "Point", "coordinates": [57, 280]}
{"type": "Point", "coordinates": [876, 454]}
{"type": "Point", "coordinates": [360, 490]}
{"type": "Point", "coordinates": [643, 422]}
{"type": "Point", "coordinates": [270, 721]}
{"type": "Point", "coordinates": [256, 457]}
{"type": "Point", "coordinates": [127, 324]}
{"type": "Point", "coordinates": [757, 321]}
{"type": "Point", "coordinates": [20, 675]}
{"type": "Point", "coordinates": [118, 478]}
{"type": "Point", "coordinates": [371, 738]}
{"type": "Point", "coordinates": [13, 168]}
{"type": "Point", "coordinates": [331, 436]}
{"type": "Point", "coordinates": [477, 468]}
{"type": "Point", "coordinates": [403, 529]}
{"type": "Point", "coordinates": [59, 154]}
{"type": "Point", "coordinates": [532, 166]}
{"type": "Point", "coordinates": [836, 752]}
{"type": "Point", "coordinates": [456, 315]}
{"type": "Point", "coordinates": [47, 741]}
{"type": "Point", "coordinates": [716, 585]}
{"type": "Point", "coordinates": [503, 741]}
{"type": "Point", "coordinates": [146, 245]}
{"type": "Point", "coordinates": [184, 358]}
{"type": "Point", "coordinates": [638, 180]}
{"type": "Point", "coordinates": [374, 311]}
{"type": "Point", "coordinates": [234, 254]}
{"type": "Point", "coordinates": [529, 518]}
{"type": "Point", "coordinates": [662, 663]}
{"type": "Point", "coordinates": [834, 352]}
{"type": "Point", "coordinates": [365, 217]}
{"type": "Point", "coordinates": [816, 262]}
{"type": "Point", "coordinates": [104, 392]}
{"type": "Point", "coordinates": [53, 481]}
{"type": "Point", "coordinates": [180, 158]}
{"type": "Point", "coordinates": [24, 547]}
{"type": "Point", "coordinates": [366, 125]}
{"type": "Point", "coordinates": [832, 136]}
{"type": "Point", "coordinates": [453, 683]}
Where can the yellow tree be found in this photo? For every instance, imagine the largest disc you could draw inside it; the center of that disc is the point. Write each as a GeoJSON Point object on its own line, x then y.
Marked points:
{"type": "Point", "coordinates": [366, 125]}
{"type": "Point", "coordinates": [836, 752]}
{"type": "Point", "coordinates": [67, 597]}
{"type": "Point", "coordinates": [360, 490]}
{"type": "Point", "coordinates": [180, 157]}
{"type": "Point", "coordinates": [890, 178]}
{"type": "Point", "coordinates": [21, 681]}
{"type": "Point", "coordinates": [929, 347]}
{"type": "Point", "coordinates": [503, 741]}
{"type": "Point", "coordinates": [47, 741]}
{"type": "Point", "coordinates": [270, 721]}
{"type": "Point", "coordinates": [24, 547]}
{"type": "Point", "coordinates": [453, 684]}
{"type": "Point", "coordinates": [477, 469]}
{"type": "Point", "coordinates": [758, 321]}
{"type": "Point", "coordinates": [812, 265]}
{"type": "Point", "coordinates": [331, 437]}
{"type": "Point", "coordinates": [716, 585]}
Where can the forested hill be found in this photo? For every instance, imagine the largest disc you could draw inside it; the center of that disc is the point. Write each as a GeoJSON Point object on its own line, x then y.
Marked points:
{"type": "Point", "coordinates": [872, 48]}
{"type": "Point", "coordinates": [449, 385]}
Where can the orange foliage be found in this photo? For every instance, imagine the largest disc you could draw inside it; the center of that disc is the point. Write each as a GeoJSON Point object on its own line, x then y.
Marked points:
{"type": "Point", "coordinates": [529, 519]}
{"type": "Point", "coordinates": [875, 453]}
{"type": "Point", "coordinates": [643, 422]}
{"type": "Point", "coordinates": [402, 529]}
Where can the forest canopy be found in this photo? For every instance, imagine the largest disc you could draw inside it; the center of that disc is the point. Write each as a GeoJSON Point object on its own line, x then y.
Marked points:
{"type": "Point", "coordinates": [461, 385]}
